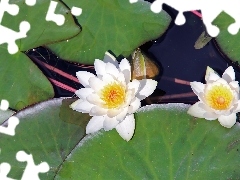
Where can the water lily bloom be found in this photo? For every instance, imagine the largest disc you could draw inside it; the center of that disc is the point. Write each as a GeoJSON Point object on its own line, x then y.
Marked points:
{"type": "Point", "coordinates": [219, 97]}
{"type": "Point", "coordinates": [111, 97]}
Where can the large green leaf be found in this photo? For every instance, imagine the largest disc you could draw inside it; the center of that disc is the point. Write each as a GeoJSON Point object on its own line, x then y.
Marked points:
{"type": "Point", "coordinates": [48, 131]}
{"type": "Point", "coordinates": [167, 144]}
{"type": "Point", "coordinates": [41, 31]}
{"type": "Point", "coordinates": [21, 82]}
{"type": "Point", "coordinates": [228, 43]}
{"type": "Point", "coordinates": [114, 25]}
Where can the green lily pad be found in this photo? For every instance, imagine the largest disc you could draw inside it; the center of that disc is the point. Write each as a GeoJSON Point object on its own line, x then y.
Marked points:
{"type": "Point", "coordinates": [21, 82]}
{"type": "Point", "coordinates": [228, 43]}
{"type": "Point", "coordinates": [45, 133]}
{"type": "Point", "coordinates": [167, 144]}
{"type": "Point", "coordinates": [41, 31]}
{"type": "Point", "coordinates": [111, 25]}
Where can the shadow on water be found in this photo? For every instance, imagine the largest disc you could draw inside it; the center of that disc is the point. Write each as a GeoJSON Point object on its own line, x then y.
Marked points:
{"type": "Point", "coordinates": [181, 63]}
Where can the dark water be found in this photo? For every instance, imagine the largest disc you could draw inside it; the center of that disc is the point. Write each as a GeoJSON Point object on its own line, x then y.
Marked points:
{"type": "Point", "coordinates": [174, 52]}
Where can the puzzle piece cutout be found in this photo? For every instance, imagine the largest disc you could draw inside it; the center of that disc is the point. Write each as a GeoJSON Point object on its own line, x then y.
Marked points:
{"type": "Point", "coordinates": [4, 170]}
{"type": "Point", "coordinates": [7, 35]}
{"type": "Point", "coordinates": [59, 18]}
{"type": "Point", "coordinates": [12, 9]}
{"type": "Point", "coordinates": [12, 123]}
{"type": "Point", "coordinates": [31, 171]}
{"type": "Point", "coordinates": [4, 105]}
{"type": "Point", "coordinates": [51, 16]}
{"type": "Point", "coordinates": [30, 2]}
{"type": "Point", "coordinates": [209, 9]}
{"type": "Point", "coordinates": [76, 11]}
{"type": "Point", "coordinates": [133, 1]}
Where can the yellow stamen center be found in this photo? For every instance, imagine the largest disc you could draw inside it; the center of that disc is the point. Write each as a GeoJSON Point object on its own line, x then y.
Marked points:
{"type": "Point", "coordinates": [219, 97]}
{"type": "Point", "coordinates": [113, 95]}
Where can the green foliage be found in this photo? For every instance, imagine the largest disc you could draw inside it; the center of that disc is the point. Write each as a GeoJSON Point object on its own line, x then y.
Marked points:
{"type": "Point", "coordinates": [168, 144]}
{"type": "Point", "coordinates": [4, 115]}
{"type": "Point", "coordinates": [228, 43]}
{"type": "Point", "coordinates": [111, 25]}
{"type": "Point", "coordinates": [42, 32]}
{"type": "Point", "coordinates": [45, 132]}
{"type": "Point", "coordinates": [21, 82]}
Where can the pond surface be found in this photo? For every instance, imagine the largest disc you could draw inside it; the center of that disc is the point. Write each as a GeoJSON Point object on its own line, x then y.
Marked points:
{"type": "Point", "coordinates": [180, 63]}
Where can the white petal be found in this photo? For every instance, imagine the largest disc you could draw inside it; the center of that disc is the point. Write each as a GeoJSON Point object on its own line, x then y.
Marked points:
{"type": "Point", "coordinates": [99, 67]}
{"type": "Point", "coordinates": [129, 97]}
{"type": "Point", "coordinates": [205, 107]}
{"type": "Point", "coordinates": [112, 70]}
{"type": "Point", "coordinates": [125, 68]}
{"type": "Point", "coordinates": [107, 79]}
{"type": "Point", "coordinates": [113, 112]}
{"type": "Point", "coordinates": [213, 77]}
{"type": "Point", "coordinates": [82, 106]}
{"type": "Point", "coordinates": [234, 85]}
{"type": "Point", "coordinates": [110, 123]}
{"type": "Point", "coordinates": [210, 116]}
{"type": "Point", "coordinates": [84, 76]}
{"type": "Point", "coordinates": [126, 128]}
{"type": "Point", "coordinates": [196, 110]}
{"type": "Point", "coordinates": [201, 97]}
{"type": "Point", "coordinates": [206, 112]}
{"type": "Point", "coordinates": [96, 84]}
{"type": "Point", "coordinates": [236, 97]}
{"type": "Point", "coordinates": [110, 58]}
{"type": "Point", "coordinates": [135, 84]}
{"type": "Point", "coordinates": [197, 87]}
{"type": "Point", "coordinates": [221, 81]}
{"type": "Point", "coordinates": [122, 115]}
{"type": "Point", "coordinates": [84, 92]}
{"type": "Point", "coordinates": [75, 103]}
{"type": "Point", "coordinates": [236, 107]}
{"type": "Point", "coordinates": [121, 79]}
{"type": "Point", "coordinates": [208, 70]}
{"type": "Point", "coordinates": [134, 106]}
{"type": "Point", "coordinates": [95, 99]}
{"type": "Point", "coordinates": [227, 121]}
{"type": "Point", "coordinates": [97, 111]}
{"type": "Point", "coordinates": [147, 86]}
{"type": "Point", "coordinates": [95, 124]}
{"type": "Point", "coordinates": [229, 74]}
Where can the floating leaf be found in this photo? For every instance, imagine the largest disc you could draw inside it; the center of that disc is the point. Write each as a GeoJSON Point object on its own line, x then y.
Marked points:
{"type": "Point", "coordinates": [111, 25]}
{"type": "Point", "coordinates": [228, 43]}
{"type": "Point", "coordinates": [168, 144]}
{"type": "Point", "coordinates": [202, 40]}
{"type": "Point", "coordinates": [44, 133]}
{"type": "Point", "coordinates": [41, 31]}
{"type": "Point", "coordinates": [21, 82]}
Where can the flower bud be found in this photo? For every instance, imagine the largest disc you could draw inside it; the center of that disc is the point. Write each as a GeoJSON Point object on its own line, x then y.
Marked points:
{"type": "Point", "coordinates": [142, 66]}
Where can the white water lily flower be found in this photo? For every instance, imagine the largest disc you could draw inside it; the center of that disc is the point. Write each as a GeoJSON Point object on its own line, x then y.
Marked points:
{"type": "Point", "coordinates": [219, 97]}
{"type": "Point", "coordinates": [111, 97]}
